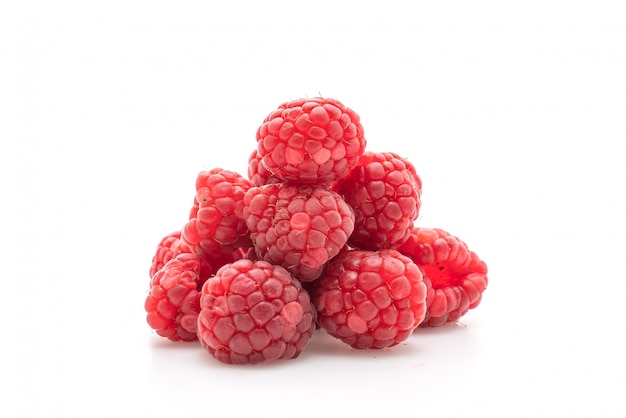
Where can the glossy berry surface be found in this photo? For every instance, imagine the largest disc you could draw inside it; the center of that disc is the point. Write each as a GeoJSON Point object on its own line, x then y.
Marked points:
{"type": "Point", "coordinates": [258, 174]}
{"type": "Point", "coordinates": [172, 304]}
{"type": "Point", "coordinates": [214, 226]}
{"type": "Point", "coordinates": [370, 299]}
{"type": "Point", "coordinates": [319, 234]}
{"type": "Point", "coordinates": [385, 192]}
{"type": "Point", "coordinates": [314, 140]}
{"type": "Point", "coordinates": [252, 312]}
{"type": "Point", "coordinates": [456, 277]}
{"type": "Point", "coordinates": [300, 227]}
{"type": "Point", "coordinates": [169, 247]}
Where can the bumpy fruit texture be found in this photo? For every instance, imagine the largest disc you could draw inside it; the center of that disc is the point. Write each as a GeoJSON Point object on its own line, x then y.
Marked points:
{"type": "Point", "coordinates": [299, 227]}
{"type": "Point", "coordinates": [456, 277]}
{"type": "Point", "coordinates": [320, 234]}
{"type": "Point", "coordinates": [370, 299]}
{"type": "Point", "coordinates": [169, 247]}
{"type": "Point", "coordinates": [214, 226]}
{"type": "Point", "coordinates": [258, 174]}
{"type": "Point", "coordinates": [253, 311]}
{"type": "Point", "coordinates": [384, 190]}
{"type": "Point", "coordinates": [172, 305]}
{"type": "Point", "coordinates": [316, 140]}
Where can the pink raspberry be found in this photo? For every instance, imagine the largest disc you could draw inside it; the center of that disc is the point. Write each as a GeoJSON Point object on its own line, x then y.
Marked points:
{"type": "Point", "coordinates": [253, 311]}
{"type": "Point", "coordinates": [169, 247]}
{"type": "Point", "coordinates": [172, 305]}
{"type": "Point", "coordinates": [456, 277]}
{"type": "Point", "coordinates": [316, 140]}
{"type": "Point", "coordinates": [214, 226]}
{"type": "Point", "coordinates": [370, 299]}
{"type": "Point", "coordinates": [257, 173]}
{"type": "Point", "coordinates": [300, 227]}
{"type": "Point", "coordinates": [384, 190]}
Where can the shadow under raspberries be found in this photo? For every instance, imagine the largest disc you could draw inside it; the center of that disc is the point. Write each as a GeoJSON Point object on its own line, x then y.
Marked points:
{"type": "Point", "coordinates": [449, 328]}
{"type": "Point", "coordinates": [159, 343]}
{"type": "Point", "coordinates": [323, 344]}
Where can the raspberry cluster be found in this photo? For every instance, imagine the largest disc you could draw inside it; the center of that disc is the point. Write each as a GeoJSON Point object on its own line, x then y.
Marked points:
{"type": "Point", "coordinates": [320, 233]}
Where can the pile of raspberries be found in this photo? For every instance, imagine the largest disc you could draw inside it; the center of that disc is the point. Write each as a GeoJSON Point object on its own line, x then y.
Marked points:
{"type": "Point", "coordinates": [319, 233]}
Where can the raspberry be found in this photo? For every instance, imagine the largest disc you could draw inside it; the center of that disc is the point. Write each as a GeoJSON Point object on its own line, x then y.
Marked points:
{"type": "Point", "coordinates": [214, 226]}
{"type": "Point", "coordinates": [455, 276]}
{"type": "Point", "coordinates": [169, 247]}
{"type": "Point", "coordinates": [384, 190]}
{"type": "Point", "coordinates": [316, 140]}
{"type": "Point", "coordinates": [253, 311]}
{"type": "Point", "coordinates": [257, 173]}
{"type": "Point", "coordinates": [306, 275]}
{"type": "Point", "coordinates": [299, 227]}
{"type": "Point", "coordinates": [370, 299]}
{"type": "Point", "coordinates": [172, 304]}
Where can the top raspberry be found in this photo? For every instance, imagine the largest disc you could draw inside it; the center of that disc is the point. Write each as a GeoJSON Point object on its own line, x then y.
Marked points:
{"type": "Point", "coordinates": [314, 140]}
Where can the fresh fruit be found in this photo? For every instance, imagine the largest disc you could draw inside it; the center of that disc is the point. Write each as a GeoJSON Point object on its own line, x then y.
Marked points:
{"type": "Point", "coordinates": [456, 277]}
{"type": "Point", "coordinates": [214, 227]}
{"type": "Point", "coordinates": [384, 191]}
{"type": "Point", "coordinates": [253, 311]}
{"type": "Point", "coordinates": [321, 235]}
{"type": "Point", "coordinates": [258, 173]}
{"type": "Point", "coordinates": [370, 299]}
{"type": "Point", "coordinates": [300, 227]}
{"type": "Point", "coordinates": [314, 140]}
{"type": "Point", "coordinates": [169, 247]}
{"type": "Point", "coordinates": [172, 305]}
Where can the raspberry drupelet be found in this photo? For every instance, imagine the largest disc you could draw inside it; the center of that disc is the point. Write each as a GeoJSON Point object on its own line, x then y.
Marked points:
{"type": "Point", "coordinates": [252, 312]}
{"type": "Point", "coordinates": [300, 227]}
{"type": "Point", "coordinates": [370, 299]}
{"type": "Point", "coordinates": [213, 225]}
{"type": "Point", "coordinates": [311, 140]}
{"type": "Point", "coordinates": [384, 190]}
{"type": "Point", "coordinates": [455, 276]}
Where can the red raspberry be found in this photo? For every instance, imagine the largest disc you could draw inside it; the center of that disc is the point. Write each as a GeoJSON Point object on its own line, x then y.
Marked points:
{"type": "Point", "coordinates": [169, 247]}
{"type": "Point", "coordinates": [214, 226]}
{"type": "Point", "coordinates": [370, 299]}
{"type": "Point", "coordinates": [172, 304]}
{"type": "Point", "coordinates": [253, 311]}
{"type": "Point", "coordinates": [257, 173]}
{"type": "Point", "coordinates": [384, 190]}
{"type": "Point", "coordinates": [455, 276]}
{"type": "Point", "coordinates": [309, 274]}
{"type": "Point", "coordinates": [316, 140]}
{"type": "Point", "coordinates": [300, 227]}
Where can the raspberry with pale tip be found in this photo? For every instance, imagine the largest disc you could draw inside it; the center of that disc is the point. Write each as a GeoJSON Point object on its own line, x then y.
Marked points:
{"type": "Point", "coordinates": [252, 312]}
{"type": "Point", "coordinates": [455, 276]}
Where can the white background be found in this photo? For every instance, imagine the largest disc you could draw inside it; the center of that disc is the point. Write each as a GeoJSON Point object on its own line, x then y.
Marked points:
{"type": "Point", "coordinates": [512, 112]}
